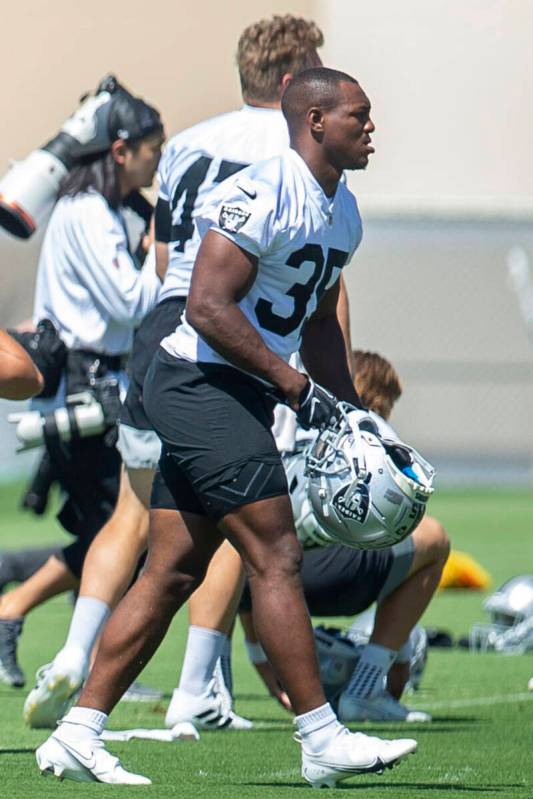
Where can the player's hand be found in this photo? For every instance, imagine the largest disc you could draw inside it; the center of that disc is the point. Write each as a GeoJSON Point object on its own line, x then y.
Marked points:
{"type": "Point", "coordinates": [266, 673]}
{"type": "Point", "coordinates": [317, 407]}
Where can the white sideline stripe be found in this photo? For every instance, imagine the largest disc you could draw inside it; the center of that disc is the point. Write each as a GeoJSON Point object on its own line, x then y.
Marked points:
{"type": "Point", "coordinates": [479, 701]}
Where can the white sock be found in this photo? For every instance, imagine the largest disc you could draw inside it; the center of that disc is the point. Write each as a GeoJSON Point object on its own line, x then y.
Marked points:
{"type": "Point", "coordinates": [82, 722]}
{"type": "Point", "coordinates": [369, 674]}
{"type": "Point", "coordinates": [204, 647]}
{"type": "Point", "coordinates": [317, 728]}
{"type": "Point", "coordinates": [87, 622]}
{"type": "Point", "coordinates": [225, 664]}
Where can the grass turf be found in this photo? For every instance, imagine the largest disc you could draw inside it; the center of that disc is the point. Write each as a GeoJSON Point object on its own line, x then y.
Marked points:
{"type": "Point", "coordinates": [479, 744]}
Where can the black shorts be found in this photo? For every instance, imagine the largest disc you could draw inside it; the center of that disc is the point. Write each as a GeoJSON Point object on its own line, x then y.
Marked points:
{"type": "Point", "coordinates": [159, 323]}
{"type": "Point", "coordinates": [218, 449]}
{"type": "Point", "coordinates": [341, 581]}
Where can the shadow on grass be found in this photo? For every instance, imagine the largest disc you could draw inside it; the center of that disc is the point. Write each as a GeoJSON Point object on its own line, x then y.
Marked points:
{"type": "Point", "coordinates": [397, 788]}
{"type": "Point", "coordinates": [28, 750]}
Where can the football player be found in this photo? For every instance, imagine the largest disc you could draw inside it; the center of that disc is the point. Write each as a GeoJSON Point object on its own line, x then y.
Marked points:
{"type": "Point", "coordinates": [194, 163]}
{"type": "Point", "coordinates": [264, 286]}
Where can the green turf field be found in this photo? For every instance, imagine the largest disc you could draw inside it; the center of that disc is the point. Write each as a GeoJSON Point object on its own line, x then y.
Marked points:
{"type": "Point", "coordinates": [479, 745]}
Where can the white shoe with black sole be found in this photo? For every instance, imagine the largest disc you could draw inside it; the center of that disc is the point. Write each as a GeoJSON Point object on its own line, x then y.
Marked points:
{"type": "Point", "coordinates": [351, 754]}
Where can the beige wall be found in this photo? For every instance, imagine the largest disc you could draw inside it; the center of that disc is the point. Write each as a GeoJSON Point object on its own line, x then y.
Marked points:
{"type": "Point", "coordinates": [452, 88]}
{"type": "Point", "coordinates": [179, 55]}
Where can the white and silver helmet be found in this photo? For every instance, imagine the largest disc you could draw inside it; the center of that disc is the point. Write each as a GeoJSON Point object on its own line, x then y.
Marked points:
{"type": "Point", "coordinates": [366, 491]}
{"type": "Point", "coordinates": [510, 629]}
{"type": "Point", "coordinates": [307, 527]}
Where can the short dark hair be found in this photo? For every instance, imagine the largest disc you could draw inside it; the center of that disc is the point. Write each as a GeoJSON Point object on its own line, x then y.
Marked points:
{"type": "Point", "coordinates": [315, 86]}
{"type": "Point", "coordinates": [271, 48]}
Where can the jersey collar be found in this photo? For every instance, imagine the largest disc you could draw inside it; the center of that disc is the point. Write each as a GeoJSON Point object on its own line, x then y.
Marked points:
{"type": "Point", "coordinates": [325, 204]}
{"type": "Point", "coordinates": [258, 109]}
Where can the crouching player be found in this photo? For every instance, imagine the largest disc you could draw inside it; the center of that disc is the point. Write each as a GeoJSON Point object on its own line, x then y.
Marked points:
{"type": "Point", "coordinates": [342, 581]}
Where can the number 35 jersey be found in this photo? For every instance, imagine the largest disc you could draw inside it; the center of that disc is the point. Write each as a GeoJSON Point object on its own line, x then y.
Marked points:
{"type": "Point", "coordinates": [278, 212]}
{"type": "Point", "coordinates": [197, 160]}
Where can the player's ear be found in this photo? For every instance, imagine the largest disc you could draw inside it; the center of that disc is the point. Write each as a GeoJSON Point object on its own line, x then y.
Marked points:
{"type": "Point", "coordinates": [315, 119]}
{"type": "Point", "coordinates": [284, 82]}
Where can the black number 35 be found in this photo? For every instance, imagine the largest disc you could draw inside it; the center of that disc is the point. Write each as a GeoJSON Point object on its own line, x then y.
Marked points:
{"type": "Point", "coordinates": [301, 292]}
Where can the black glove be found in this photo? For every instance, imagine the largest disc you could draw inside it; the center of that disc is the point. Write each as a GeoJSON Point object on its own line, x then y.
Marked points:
{"type": "Point", "coordinates": [318, 408]}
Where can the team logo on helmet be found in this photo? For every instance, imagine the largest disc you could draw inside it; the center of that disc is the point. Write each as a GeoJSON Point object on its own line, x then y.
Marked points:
{"type": "Point", "coordinates": [354, 507]}
{"type": "Point", "coordinates": [232, 218]}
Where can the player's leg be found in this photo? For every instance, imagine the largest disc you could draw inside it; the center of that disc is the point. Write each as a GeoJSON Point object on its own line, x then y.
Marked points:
{"type": "Point", "coordinates": [399, 608]}
{"type": "Point", "coordinates": [263, 533]}
{"type": "Point", "coordinates": [18, 565]}
{"type": "Point", "coordinates": [181, 546]}
{"type": "Point", "coordinates": [107, 571]}
{"type": "Point", "coordinates": [399, 611]}
{"type": "Point", "coordinates": [88, 471]}
{"type": "Point", "coordinates": [51, 579]}
{"type": "Point", "coordinates": [113, 556]}
{"type": "Point", "coordinates": [200, 697]}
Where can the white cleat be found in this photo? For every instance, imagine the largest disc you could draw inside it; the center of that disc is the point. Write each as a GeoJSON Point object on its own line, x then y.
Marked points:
{"type": "Point", "coordinates": [209, 711]}
{"type": "Point", "coordinates": [382, 707]}
{"type": "Point", "coordinates": [350, 754]}
{"type": "Point", "coordinates": [55, 690]}
{"type": "Point", "coordinates": [83, 761]}
{"type": "Point", "coordinates": [530, 685]}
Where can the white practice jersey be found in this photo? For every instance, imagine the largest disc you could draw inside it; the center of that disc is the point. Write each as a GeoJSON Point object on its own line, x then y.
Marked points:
{"type": "Point", "coordinates": [195, 162]}
{"type": "Point", "coordinates": [87, 281]}
{"type": "Point", "coordinates": [277, 211]}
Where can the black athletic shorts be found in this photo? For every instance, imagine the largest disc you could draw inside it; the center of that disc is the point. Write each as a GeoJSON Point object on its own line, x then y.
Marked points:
{"type": "Point", "coordinates": [159, 323]}
{"type": "Point", "coordinates": [218, 449]}
{"type": "Point", "coordinates": [341, 581]}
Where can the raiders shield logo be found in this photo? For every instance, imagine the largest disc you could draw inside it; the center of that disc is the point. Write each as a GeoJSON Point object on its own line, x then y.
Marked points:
{"type": "Point", "coordinates": [356, 507]}
{"type": "Point", "coordinates": [232, 218]}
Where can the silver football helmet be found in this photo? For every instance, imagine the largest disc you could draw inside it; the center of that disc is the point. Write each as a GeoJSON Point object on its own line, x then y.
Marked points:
{"type": "Point", "coordinates": [510, 629]}
{"type": "Point", "coordinates": [307, 527]}
{"type": "Point", "coordinates": [366, 491]}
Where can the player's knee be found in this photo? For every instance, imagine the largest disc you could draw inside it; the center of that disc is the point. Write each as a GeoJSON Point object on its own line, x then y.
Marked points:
{"type": "Point", "coordinates": [173, 586]}
{"type": "Point", "coordinates": [434, 540]}
{"type": "Point", "coordinates": [282, 561]}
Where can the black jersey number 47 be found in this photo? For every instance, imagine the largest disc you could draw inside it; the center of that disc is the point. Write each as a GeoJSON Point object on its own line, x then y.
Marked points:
{"type": "Point", "coordinates": [301, 292]}
{"type": "Point", "coordinates": [188, 188]}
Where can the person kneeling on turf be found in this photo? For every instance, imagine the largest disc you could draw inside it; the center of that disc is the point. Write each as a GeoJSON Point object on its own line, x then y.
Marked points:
{"type": "Point", "coordinates": [342, 581]}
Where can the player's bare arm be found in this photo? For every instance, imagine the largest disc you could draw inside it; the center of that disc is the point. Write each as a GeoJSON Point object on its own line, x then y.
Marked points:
{"type": "Point", "coordinates": [343, 315]}
{"type": "Point", "coordinates": [323, 349]}
{"type": "Point", "coordinates": [19, 377]}
{"type": "Point", "coordinates": [222, 276]}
